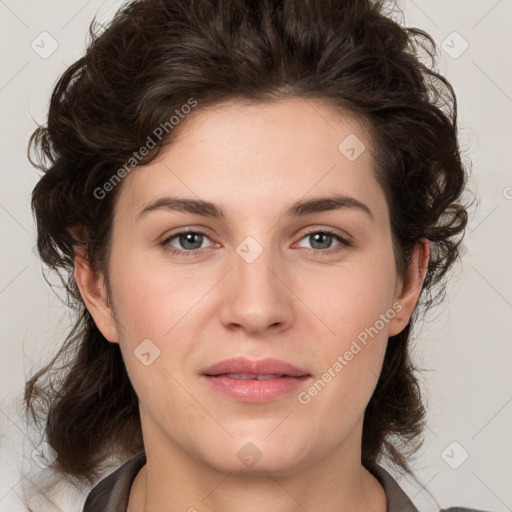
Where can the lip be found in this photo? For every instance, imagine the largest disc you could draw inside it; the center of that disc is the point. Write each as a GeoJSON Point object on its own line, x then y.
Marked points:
{"type": "Point", "coordinates": [257, 367]}
{"type": "Point", "coordinates": [290, 379]}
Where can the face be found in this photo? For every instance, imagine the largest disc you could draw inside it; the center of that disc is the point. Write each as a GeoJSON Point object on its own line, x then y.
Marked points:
{"type": "Point", "coordinates": [314, 287]}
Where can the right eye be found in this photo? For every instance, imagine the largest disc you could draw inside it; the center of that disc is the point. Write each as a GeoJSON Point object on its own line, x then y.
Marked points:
{"type": "Point", "coordinates": [191, 241]}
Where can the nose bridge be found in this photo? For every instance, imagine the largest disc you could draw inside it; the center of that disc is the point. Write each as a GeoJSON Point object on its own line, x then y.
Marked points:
{"type": "Point", "coordinates": [258, 298]}
{"type": "Point", "coordinates": [252, 265]}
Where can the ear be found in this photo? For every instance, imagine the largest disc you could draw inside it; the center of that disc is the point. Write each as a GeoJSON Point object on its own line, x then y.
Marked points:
{"type": "Point", "coordinates": [94, 293]}
{"type": "Point", "coordinates": [408, 291]}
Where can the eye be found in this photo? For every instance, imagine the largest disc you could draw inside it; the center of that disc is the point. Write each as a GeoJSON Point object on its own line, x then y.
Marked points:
{"type": "Point", "coordinates": [190, 241]}
{"type": "Point", "coordinates": [324, 239]}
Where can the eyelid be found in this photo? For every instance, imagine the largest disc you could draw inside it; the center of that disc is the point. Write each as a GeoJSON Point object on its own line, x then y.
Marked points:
{"type": "Point", "coordinates": [332, 231]}
{"type": "Point", "coordinates": [189, 229]}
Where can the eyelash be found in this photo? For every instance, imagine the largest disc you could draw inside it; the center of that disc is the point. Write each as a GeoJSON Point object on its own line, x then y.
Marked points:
{"type": "Point", "coordinates": [344, 244]}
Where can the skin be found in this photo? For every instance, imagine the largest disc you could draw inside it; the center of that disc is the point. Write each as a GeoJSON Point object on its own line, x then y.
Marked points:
{"type": "Point", "coordinates": [291, 303]}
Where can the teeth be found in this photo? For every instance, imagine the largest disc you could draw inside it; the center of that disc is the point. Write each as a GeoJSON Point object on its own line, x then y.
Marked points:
{"type": "Point", "coordinates": [248, 376]}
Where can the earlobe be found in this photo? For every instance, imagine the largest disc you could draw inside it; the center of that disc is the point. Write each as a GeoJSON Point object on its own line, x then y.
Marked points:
{"type": "Point", "coordinates": [93, 291]}
{"type": "Point", "coordinates": [409, 291]}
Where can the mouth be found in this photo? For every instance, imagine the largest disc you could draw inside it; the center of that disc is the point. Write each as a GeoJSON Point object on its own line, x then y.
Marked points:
{"type": "Point", "coordinates": [248, 380]}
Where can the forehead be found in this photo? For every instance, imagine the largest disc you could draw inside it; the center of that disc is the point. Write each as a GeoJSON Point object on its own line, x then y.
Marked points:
{"type": "Point", "coordinates": [253, 156]}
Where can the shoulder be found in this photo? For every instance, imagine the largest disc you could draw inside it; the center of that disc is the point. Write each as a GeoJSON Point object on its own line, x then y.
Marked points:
{"type": "Point", "coordinates": [397, 499]}
{"type": "Point", "coordinates": [112, 492]}
{"type": "Point", "coordinates": [462, 509]}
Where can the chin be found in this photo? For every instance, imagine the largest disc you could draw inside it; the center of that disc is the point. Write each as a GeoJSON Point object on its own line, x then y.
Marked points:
{"type": "Point", "coordinates": [256, 455]}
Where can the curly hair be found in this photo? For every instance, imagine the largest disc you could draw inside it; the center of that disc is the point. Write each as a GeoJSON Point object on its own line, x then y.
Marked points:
{"type": "Point", "coordinates": [148, 61]}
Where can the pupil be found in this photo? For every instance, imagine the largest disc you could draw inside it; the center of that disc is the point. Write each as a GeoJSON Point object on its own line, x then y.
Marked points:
{"type": "Point", "coordinates": [321, 235]}
{"type": "Point", "coordinates": [188, 238]}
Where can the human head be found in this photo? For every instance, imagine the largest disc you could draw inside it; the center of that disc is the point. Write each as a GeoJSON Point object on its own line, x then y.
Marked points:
{"type": "Point", "coordinates": [145, 68]}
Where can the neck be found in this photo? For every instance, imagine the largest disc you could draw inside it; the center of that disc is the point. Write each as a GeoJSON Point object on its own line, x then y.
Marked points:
{"type": "Point", "coordinates": [172, 480]}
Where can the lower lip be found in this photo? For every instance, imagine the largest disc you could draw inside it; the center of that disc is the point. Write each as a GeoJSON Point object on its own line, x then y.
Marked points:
{"type": "Point", "coordinates": [253, 390]}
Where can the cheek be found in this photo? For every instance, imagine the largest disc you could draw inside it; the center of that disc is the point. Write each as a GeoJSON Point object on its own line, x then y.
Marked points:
{"type": "Point", "coordinates": [151, 299]}
{"type": "Point", "coordinates": [352, 298]}
{"type": "Point", "coordinates": [354, 305]}
{"type": "Point", "coordinates": [350, 358]}
{"type": "Point", "coordinates": [160, 305]}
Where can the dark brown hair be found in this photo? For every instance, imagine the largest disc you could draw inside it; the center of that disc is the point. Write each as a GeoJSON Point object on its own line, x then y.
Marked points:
{"type": "Point", "coordinates": [149, 61]}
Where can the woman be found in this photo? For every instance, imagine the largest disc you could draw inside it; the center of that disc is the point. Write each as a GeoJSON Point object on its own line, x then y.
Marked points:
{"type": "Point", "coordinates": [251, 202]}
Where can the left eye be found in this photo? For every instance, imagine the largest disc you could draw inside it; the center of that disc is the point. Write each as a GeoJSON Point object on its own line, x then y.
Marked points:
{"type": "Point", "coordinates": [324, 238]}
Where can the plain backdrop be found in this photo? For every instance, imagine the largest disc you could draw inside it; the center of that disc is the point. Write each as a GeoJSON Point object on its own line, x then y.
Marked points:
{"type": "Point", "coordinates": [465, 348]}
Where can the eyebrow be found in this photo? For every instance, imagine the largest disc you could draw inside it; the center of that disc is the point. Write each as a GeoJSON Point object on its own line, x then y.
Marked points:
{"type": "Point", "coordinates": [297, 209]}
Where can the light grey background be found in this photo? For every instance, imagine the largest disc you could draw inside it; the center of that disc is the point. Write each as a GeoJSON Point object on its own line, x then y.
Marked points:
{"type": "Point", "coordinates": [467, 346]}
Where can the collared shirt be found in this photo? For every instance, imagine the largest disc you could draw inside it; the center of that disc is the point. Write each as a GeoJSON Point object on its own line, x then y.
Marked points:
{"type": "Point", "coordinates": [113, 492]}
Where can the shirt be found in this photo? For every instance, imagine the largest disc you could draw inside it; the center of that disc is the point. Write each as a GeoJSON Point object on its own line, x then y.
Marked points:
{"type": "Point", "coordinates": [112, 493]}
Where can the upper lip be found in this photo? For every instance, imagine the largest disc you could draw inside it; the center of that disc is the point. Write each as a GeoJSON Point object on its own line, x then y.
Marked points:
{"type": "Point", "coordinates": [256, 367]}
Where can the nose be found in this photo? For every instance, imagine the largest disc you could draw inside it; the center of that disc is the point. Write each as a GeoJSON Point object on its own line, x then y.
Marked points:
{"type": "Point", "coordinates": [257, 296]}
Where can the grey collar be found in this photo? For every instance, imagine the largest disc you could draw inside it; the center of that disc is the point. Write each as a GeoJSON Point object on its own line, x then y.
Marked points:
{"type": "Point", "coordinates": [396, 498]}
